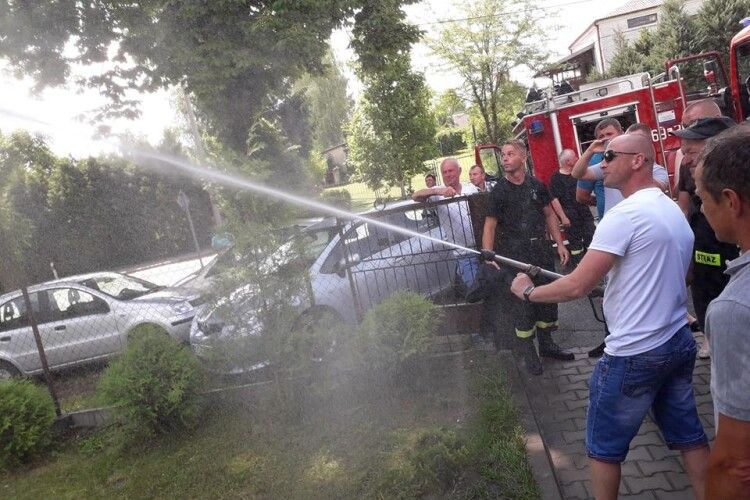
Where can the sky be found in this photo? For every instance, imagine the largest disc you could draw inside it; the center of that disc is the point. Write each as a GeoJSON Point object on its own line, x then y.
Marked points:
{"type": "Point", "coordinates": [62, 109]}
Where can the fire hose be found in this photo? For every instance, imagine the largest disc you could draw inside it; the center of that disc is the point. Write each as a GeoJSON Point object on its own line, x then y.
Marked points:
{"type": "Point", "coordinates": [534, 271]}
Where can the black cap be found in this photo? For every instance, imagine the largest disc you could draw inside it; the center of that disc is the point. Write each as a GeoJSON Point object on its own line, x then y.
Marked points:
{"type": "Point", "coordinates": [705, 128]}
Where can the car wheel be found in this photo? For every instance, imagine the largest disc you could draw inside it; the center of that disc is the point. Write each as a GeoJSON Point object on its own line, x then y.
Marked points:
{"type": "Point", "coordinates": [8, 371]}
{"type": "Point", "coordinates": [321, 327]}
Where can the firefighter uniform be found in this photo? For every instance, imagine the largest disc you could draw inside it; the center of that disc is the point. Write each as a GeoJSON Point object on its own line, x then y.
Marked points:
{"type": "Point", "coordinates": [519, 210]}
{"type": "Point", "coordinates": [710, 258]}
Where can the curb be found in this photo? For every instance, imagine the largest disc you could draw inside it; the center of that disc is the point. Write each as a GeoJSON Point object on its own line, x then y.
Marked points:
{"type": "Point", "coordinates": [536, 449]}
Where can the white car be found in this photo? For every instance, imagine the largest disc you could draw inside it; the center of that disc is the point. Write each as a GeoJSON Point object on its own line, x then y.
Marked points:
{"type": "Point", "coordinates": [360, 265]}
{"type": "Point", "coordinates": [86, 318]}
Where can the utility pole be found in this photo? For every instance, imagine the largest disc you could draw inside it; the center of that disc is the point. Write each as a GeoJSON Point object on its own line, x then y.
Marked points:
{"type": "Point", "coordinates": [200, 151]}
{"type": "Point", "coordinates": [184, 203]}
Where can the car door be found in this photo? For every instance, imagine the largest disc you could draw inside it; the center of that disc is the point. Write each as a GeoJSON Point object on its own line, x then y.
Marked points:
{"type": "Point", "coordinates": [17, 342]}
{"type": "Point", "coordinates": [79, 326]}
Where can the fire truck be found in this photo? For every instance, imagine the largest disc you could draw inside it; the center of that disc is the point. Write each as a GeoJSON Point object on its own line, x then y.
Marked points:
{"type": "Point", "coordinates": [560, 121]}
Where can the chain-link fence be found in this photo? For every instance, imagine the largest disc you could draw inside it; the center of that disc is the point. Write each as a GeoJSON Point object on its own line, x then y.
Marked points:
{"type": "Point", "coordinates": [329, 270]}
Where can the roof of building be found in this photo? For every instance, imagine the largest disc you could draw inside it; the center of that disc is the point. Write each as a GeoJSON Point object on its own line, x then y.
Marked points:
{"type": "Point", "coordinates": [633, 6]}
{"type": "Point", "coordinates": [627, 8]}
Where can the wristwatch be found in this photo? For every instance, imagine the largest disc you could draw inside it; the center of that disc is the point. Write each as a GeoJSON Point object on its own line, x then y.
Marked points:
{"type": "Point", "coordinates": [527, 292]}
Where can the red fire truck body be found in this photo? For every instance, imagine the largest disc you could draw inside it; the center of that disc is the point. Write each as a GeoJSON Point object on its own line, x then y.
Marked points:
{"type": "Point", "coordinates": [567, 121]}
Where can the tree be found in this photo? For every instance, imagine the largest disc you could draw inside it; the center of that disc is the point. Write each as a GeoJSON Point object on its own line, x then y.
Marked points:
{"type": "Point", "coordinates": [445, 105]}
{"type": "Point", "coordinates": [93, 214]}
{"type": "Point", "coordinates": [717, 22]}
{"type": "Point", "coordinates": [396, 100]}
{"type": "Point", "coordinates": [328, 103]}
{"type": "Point", "coordinates": [236, 58]}
{"type": "Point", "coordinates": [369, 152]}
{"type": "Point", "coordinates": [499, 36]}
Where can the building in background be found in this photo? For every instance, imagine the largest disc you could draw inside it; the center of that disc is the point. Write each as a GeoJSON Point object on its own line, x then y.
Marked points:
{"type": "Point", "coordinates": [596, 46]}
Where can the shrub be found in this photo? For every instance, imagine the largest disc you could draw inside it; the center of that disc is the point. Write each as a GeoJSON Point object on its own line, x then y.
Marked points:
{"type": "Point", "coordinates": [449, 141]}
{"type": "Point", "coordinates": [154, 385]}
{"type": "Point", "coordinates": [427, 462]}
{"type": "Point", "coordinates": [26, 416]}
{"type": "Point", "coordinates": [340, 198]}
{"type": "Point", "coordinates": [397, 331]}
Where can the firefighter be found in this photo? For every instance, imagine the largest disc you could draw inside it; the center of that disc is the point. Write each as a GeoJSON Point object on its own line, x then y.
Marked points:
{"type": "Point", "coordinates": [710, 256]}
{"type": "Point", "coordinates": [519, 211]}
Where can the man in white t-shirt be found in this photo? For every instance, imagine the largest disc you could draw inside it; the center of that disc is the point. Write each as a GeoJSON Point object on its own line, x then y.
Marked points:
{"type": "Point", "coordinates": [455, 219]}
{"type": "Point", "coordinates": [585, 172]}
{"type": "Point", "coordinates": [645, 245]}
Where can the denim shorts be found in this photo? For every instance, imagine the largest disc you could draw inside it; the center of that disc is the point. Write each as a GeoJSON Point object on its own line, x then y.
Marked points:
{"type": "Point", "coordinates": [624, 389]}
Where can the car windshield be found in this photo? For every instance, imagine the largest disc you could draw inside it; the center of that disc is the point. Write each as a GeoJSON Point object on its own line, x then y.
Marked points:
{"type": "Point", "coordinates": [121, 286]}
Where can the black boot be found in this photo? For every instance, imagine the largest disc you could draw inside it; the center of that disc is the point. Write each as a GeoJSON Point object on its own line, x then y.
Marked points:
{"type": "Point", "coordinates": [527, 352]}
{"type": "Point", "coordinates": [548, 349]}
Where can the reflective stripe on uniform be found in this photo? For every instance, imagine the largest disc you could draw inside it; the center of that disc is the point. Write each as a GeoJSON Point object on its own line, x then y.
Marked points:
{"type": "Point", "coordinates": [576, 252]}
{"type": "Point", "coordinates": [708, 259]}
{"type": "Point", "coordinates": [545, 324]}
{"type": "Point", "coordinates": [524, 334]}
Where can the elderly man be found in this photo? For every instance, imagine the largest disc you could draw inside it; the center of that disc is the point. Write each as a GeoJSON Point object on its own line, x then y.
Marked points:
{"type": "Point", "coordinates": [645, 245]}
{"type": "Point", "coordinates": [518, 214]}
{"type": "Point", "coordinates": [478, 177]}
{"type": "Point", "coordinates": [723, 184]}
{"type": "Point", "coordinates": [455, 220]}
{"type": "Point", "coordinates": [705, 108]}
{"type": "Point", "coordinates": [710, 256]}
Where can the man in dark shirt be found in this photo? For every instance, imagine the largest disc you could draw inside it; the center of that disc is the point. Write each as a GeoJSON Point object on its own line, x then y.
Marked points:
{"type": "Point", "coordinates": [581, 223]}
{"type": "Point", "coordinates": [519, 211]}
{"type": "Point", "coordinates": [710, 256]}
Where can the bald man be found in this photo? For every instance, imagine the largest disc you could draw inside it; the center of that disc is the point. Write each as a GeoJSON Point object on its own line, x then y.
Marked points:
{"type": "Point", "coordinates": [705, 108]}
{"type": "Point", "coordinates": [645, 245]}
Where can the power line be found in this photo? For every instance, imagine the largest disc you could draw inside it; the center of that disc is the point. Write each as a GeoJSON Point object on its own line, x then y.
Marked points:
{"type": "Point", "coordinates": [504, 13]}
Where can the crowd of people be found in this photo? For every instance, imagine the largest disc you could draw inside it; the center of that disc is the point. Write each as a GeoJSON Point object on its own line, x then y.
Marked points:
{"type": "Point", "coordinates": [647, 249]}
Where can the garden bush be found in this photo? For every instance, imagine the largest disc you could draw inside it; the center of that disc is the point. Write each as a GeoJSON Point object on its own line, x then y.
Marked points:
{"type": "Point", "coordinates": [339, 198]}
{"type": "Point", "coordinates": [26, 417]}
{"type": "Point", "coordinates": [427, 463]}
{"type": "Point", "coordinates": [397, 332]}
{"type": "Point", "coordinates": [154, 386]}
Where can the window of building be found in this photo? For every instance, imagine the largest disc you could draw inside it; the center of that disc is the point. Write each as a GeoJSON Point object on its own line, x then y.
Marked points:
{"type": "Point", "coordinates": [636, 22]}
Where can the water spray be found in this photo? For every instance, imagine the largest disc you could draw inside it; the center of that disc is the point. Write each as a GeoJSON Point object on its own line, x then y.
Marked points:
{"type": "Point", "coordinates": [241, 182]}
{"type": "Point", "coordinates": [244, 183]}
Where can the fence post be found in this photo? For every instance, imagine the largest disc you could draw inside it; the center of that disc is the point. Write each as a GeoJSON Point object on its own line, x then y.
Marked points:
{"type": "Point", "coordinates": [40, 348]}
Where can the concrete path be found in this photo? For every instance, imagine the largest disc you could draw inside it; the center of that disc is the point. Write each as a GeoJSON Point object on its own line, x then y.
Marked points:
{"type": "Point", "coordinates": [559, 398]}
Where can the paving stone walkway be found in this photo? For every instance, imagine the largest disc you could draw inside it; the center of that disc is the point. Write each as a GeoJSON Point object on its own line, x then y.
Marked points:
{"type": "Point", "coordinates": [559, 400]}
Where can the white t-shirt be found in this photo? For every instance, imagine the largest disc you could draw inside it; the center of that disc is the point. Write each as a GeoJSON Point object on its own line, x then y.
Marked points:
{"type": "Point", "coordinates": [613, 196]}
{"type": "Point", "coordinates": [455, 220]}
{"type": "Point", "coordinates": [645, 301]}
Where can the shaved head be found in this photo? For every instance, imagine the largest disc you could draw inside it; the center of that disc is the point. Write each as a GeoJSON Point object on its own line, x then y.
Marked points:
{"type": "Point", "coordinates": [635, 143]}
{"type": "Point", "coordinates": [705, 108]}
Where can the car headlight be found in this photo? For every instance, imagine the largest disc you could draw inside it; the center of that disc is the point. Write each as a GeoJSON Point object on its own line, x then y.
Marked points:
{"type": "Point", "coordinates": [181, 308]}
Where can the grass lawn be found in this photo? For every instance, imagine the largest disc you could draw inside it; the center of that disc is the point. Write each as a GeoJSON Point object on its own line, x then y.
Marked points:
{"type": "Point", "coordinates": [453, 434]}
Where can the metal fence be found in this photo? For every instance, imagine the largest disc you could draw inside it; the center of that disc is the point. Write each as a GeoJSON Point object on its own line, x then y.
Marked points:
{"type": "Point", "coordinates": [364, 198]}
{"type": "Point", "coordinates": [348, 267]}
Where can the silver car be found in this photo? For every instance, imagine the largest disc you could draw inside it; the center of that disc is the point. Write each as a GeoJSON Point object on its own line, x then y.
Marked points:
{"type": "Point", "coordinates": [350, 270]}
{"type": "Point", "coordinates": [86, 318]}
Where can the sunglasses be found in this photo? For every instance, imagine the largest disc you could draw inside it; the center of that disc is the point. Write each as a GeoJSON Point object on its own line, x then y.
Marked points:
{"type": "Point", "coordinates": [610, 155]}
